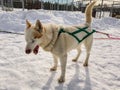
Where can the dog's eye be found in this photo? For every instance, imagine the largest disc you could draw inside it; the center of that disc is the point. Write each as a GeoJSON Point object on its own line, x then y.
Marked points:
{"type": "Point", "coordinates": [33, 41]}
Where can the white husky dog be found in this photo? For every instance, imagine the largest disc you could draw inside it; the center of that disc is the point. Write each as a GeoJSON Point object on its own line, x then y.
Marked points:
{"type": "Point", "coordinates": [58, 40]}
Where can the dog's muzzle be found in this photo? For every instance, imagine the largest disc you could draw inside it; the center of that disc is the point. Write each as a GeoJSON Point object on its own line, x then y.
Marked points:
{"type": "Point", "coordinates": [35, 50]}
{"type": "Point", "coordinates": [28, 51]}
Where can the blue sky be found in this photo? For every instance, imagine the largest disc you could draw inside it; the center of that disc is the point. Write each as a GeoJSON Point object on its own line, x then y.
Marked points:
{"type": "Point", "coordinates": [60, 1]}
{"type": "Point", "coordinates": [65, 1]}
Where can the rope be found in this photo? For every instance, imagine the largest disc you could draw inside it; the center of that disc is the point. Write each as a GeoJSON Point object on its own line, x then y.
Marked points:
{"type": "Point", "coordinates": [11, 32]}
{"type": "Point", "coordinates": [112, 38]}
{"type": "Point", "coordinates": [109, 37]}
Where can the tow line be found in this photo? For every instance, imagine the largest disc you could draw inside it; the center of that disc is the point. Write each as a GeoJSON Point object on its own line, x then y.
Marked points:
{"type": "Point", "coordinates": [109, 37]}
{"type": "Point", "coordinates": [11, 32]}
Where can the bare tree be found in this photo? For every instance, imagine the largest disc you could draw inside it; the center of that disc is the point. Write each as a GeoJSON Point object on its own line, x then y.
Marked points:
{"type": "Point", "coordinates": [67, 5]}
{"type": "Point", "coordinates": [12, 4]}
{"type": "Point", "coordinates": [101, 9]}
{"type": "Point", "coordinates": [72, 5]}
{"type": "Point", "coordinates": [23, 4]}
{"type": "Point", "coordinates": [58, 5]}
{"type": "Point", "coordinates": [2, 4]}
{"type": "Point", "coordinates": [42, 4]}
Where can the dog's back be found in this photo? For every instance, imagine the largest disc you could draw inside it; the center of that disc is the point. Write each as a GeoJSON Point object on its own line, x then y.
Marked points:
{"type": "Point", "coordinates": [70, 38]}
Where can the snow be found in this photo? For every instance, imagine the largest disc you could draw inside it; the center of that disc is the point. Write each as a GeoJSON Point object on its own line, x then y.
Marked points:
{"type": "Point", "coordinates": [19, 71]}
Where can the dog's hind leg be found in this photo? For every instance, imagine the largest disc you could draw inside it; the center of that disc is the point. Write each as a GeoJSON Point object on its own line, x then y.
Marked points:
{"type": "Point", "coordinates": [78, 54]}
{"type": "Point", "coordinates": [88, 45]}
{"type": "Point", "coordinates": [54, 68]}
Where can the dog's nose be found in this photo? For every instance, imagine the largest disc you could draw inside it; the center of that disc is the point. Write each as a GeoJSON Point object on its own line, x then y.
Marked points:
{"type": "Point", "coordinates": [28, 51]}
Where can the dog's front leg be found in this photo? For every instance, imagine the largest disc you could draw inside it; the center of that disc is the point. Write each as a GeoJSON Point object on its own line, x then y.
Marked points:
{"type": "Point", "coordinates": [63, 61]}
{"type": "Point", "coordinates": [54, 68]}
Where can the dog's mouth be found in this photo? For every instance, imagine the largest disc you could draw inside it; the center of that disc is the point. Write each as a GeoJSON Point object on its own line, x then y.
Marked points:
{"type": "Point", "coordinates": [35, 50]}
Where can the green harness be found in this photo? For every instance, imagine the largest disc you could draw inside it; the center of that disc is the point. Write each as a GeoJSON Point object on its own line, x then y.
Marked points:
{"type": "Point", "coordinates": [84, 29]}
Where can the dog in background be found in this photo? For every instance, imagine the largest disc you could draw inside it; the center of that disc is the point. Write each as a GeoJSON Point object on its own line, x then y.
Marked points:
{"type": "Point", "coordinates": [46, 36]}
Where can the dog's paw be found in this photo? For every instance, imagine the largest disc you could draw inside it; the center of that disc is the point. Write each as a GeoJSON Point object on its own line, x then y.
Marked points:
{"type": "Point", "coordinates": [74, 60]}
{"type": "Point", "coordinates": [61, 80]}
{"type": "Point", "coordinates": [85, 64]}
{"type": "Point", "coordinates": [53, 69]}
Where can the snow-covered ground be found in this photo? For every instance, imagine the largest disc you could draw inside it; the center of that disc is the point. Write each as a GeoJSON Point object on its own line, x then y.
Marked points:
{"type": "Point", "coordinates": [19, 71]}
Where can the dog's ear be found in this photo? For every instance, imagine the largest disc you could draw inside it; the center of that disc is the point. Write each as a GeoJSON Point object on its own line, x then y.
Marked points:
{"type": "Point", "coordinates": [28, 24]}
{"type": "Point", "coordinates": [38, 26]}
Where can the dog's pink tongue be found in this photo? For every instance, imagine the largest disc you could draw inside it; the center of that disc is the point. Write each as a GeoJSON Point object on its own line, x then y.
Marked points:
{"type": "Point", "coordinates": [36, 49]}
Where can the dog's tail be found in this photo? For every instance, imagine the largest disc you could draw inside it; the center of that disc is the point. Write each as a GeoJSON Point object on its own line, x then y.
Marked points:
{"type": "Point", "coordinates": [88, 12]}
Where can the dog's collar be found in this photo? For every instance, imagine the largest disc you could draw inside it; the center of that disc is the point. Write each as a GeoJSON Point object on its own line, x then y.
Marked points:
{"type": "Point", "coordinates": [50, 45]}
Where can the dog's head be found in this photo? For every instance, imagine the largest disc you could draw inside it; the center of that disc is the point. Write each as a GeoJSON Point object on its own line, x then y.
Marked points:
{"type": "Point", "coordinates": [33, 33]}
